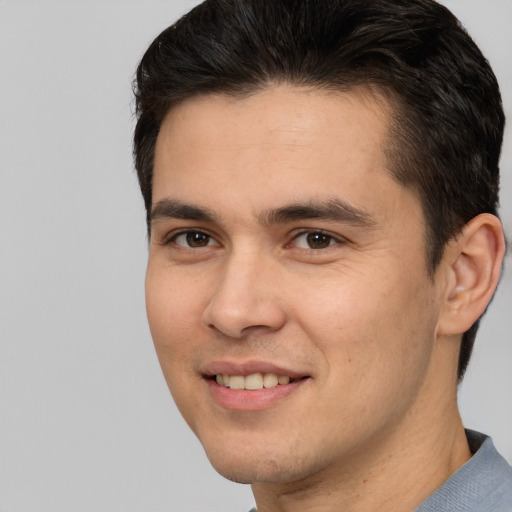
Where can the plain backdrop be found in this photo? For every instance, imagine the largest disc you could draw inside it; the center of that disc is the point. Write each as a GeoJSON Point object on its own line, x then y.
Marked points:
{"type": "Point", "coordinates": [86, 421]}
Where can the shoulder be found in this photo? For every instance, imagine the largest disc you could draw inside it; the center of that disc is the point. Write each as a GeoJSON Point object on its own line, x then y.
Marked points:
{"type": "Point", "coordinates": [483, 484]}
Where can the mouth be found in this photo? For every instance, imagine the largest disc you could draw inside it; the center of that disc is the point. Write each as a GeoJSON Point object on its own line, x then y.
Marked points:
{"type": "Point", "coordinates": [254, 381]}
{"type": "Point", "coordinates": [252, 386]}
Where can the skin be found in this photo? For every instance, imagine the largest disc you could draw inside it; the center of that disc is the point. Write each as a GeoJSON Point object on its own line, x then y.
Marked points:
{"type": "Point", "coordinates": [375, 425]}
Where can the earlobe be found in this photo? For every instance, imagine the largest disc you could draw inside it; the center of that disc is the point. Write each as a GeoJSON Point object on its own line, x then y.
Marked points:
{"type": "Point", "coordinates": [473, 261]}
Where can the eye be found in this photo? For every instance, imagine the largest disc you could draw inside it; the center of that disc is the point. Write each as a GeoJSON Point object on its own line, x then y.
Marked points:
{"type": "Point", "coordinates": [193, 239]}
{"type": "Point", "coordinates": [314, 240]}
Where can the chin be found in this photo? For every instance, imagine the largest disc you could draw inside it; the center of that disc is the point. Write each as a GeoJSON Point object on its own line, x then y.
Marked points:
{"type": "Point", "coordinates": [248, 465]}
{"type": "Point", "coordinates": [241, 464]}
{"type": "Point", "coordinates": [247, 471]}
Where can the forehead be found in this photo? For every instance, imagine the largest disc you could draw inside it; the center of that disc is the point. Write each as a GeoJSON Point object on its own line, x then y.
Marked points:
{"type": "Point", "coordinates": [285, 105]}
{"type": "Point", "coordinates": [273, 132]}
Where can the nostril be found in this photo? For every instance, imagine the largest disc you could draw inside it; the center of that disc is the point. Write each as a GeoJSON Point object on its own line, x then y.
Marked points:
{"type": "Point", "coordinates": [241, 307]}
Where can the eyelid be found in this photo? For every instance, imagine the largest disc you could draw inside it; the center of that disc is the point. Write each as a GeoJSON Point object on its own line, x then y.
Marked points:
{"type": "Point", "coordinates": [338, 239]}
{"type": "Point", "coordinates": [170, 238]}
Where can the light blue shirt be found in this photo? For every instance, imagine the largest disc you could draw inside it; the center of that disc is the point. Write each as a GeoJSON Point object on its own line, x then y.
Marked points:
{"type": "Point", "coordinates": [483, 484]}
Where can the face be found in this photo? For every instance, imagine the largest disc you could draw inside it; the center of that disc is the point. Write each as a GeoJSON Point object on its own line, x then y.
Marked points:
{"type": "Point", "coordinates": [287, 290]}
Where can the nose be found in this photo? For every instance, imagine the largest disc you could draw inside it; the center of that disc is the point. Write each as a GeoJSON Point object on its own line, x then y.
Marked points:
{"type": "Point", "coordinates": [246, 299]}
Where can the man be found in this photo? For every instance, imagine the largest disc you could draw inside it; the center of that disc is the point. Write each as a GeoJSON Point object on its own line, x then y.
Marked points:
{"type": "Point", "coordinates": [321, 184]}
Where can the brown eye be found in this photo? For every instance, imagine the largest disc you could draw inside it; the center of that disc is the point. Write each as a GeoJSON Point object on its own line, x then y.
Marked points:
{"type": "Point", "coordinates": [197, 239]}
{"type": "Point", "coordinates": [315, 240]}
{"type": "Point", "coordinates": [193, 239]}
{"type": "Point", "coordinates": [318, 240]}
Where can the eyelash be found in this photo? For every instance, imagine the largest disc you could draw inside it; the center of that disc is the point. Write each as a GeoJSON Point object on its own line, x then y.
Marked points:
{"type": "Point", "coordinates": [174, 236]}
{"type": "Point", "coordinates": [328, 238]}
{"type": "Point", "coordinates": [331, 239]}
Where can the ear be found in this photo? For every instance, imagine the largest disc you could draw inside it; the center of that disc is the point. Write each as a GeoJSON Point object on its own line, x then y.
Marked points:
{"type": "Point", "coordinates": [473, 262]}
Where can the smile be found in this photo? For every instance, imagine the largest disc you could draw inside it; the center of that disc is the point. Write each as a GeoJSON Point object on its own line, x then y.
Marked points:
{"type": "Point", "coordinates": [252, 382]}
{"type": "Point", "coordinates": [252, 385]}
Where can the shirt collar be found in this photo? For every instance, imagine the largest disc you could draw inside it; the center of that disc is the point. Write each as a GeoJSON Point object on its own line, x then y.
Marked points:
{"type": "Point", "coordinates": [483, 484]}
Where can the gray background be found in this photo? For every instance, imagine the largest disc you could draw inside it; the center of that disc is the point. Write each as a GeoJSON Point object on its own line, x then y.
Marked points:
{"type": "Point", "coordinates": [86, 421]}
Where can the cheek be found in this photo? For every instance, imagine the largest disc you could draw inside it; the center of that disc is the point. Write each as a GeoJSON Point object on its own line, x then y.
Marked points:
{"type": "Point", "coordinates": [173, 316]}
{"type": "Point", "coordinates": [375, 327]}
{"type": "Point", "coordinates": [173, 320]}
{"type": "Point", "coordinates": [375, 346]}
{"type": "Point", "coordinates": [172, 302]}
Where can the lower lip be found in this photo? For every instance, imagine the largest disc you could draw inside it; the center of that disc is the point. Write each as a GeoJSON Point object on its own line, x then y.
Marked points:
{"type": "Point", "coordinates": [257, 400]}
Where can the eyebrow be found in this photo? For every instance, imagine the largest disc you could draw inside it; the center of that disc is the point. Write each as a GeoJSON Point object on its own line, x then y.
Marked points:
{"type": "Point", "coordinates": [173, 209]}
{"type": "Point", "coordinates": [333, 209]}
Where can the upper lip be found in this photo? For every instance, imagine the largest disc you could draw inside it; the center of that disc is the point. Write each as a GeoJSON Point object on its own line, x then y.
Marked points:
{"type": "Point", "coordinates": [248, 368]}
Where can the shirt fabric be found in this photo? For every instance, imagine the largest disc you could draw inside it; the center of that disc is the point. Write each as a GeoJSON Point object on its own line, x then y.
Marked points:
{"type": "Point", "coordinates": [483, 484]}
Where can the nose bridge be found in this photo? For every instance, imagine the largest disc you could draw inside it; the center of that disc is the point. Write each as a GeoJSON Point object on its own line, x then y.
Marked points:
{"type": "Point", "coordinates": [245, 298]}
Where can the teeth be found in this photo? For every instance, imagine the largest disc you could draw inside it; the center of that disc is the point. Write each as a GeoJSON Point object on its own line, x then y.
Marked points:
{"type": "Point", "coordinates": [270, 380]}
{"type": "Point", "coordinates": [252, 382]}
{"type": "Point", "coordinates": [236, 382]}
